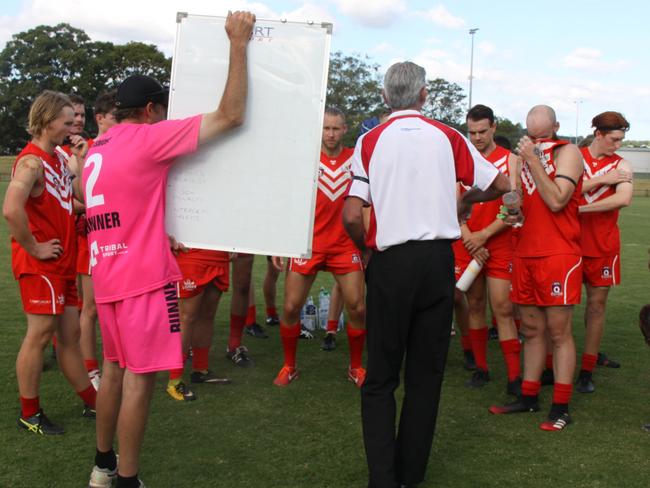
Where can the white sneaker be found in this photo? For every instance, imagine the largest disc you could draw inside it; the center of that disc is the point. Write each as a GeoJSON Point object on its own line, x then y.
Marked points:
{"type": "Point", "coordinates": [102, 478]}
{"type": "Point", "coordinates": [95, 378]}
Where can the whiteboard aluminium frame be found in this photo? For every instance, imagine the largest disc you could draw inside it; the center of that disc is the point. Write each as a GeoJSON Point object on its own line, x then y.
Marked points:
{"type": "Point", "coordinates": [328, 27]}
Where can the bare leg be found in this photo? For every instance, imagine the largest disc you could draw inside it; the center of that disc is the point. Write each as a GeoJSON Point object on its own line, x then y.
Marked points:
{"type": "Point", "coordinates": [353, 294]}
{"type": "Point", "coordinates": [134, 412]}
{"type": "Point", "coordinates": [595, 317]}
{"type": "Point", "coordinates": [87, 319]}
{"type": "Point", "coordinates": [69, 350]}
{"type": "Point", "coordinates": [29, 363]}
{"type": "Point", "coordinates": [533, 326]}
{"type": "Point", "coordinates": [270, 285]}
{"type": "Point", "coordinates": [499, 294]}
{"type": "Point", "coordinates": [558, 320]}
{"type": "Point", "coordinates": [109, 399]}
{"type": "Point", "coordinates": [336, 303]}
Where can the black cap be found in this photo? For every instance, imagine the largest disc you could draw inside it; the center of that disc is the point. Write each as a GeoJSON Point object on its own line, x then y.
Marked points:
{"type": "Point", "coordinates": [138, 90]}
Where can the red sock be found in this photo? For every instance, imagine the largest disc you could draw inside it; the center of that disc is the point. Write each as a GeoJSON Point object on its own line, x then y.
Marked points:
{"type": "Point", "coordinates": [356, 339]}
{"type": "Point", "coordinates": [589, 361]}
{"type": "Point", "coordinates": [236, 330]}
{"type": "Point", "coordinates": [251, 314]}
{"type": "Point", "coordinates": [549, 361]}
{"type": "Point", "coordinates": [289, 335]}
{"type": "Point", "coordinates": [29, 406]}
{"type": "Point", "coordinates": [91, 364]}
{"type": "Point", "coordinates": [89, 396]}
{"type": "Point", "coordinates": [518, 324]}
{"type": "Point", "coordinates": [562, 393]}
{"type": "Point", "coordinates": [479, 338]}
{"type": "Point", "coordinates": [271, 312]}
{"type": "Point", "coordinates": [531, 388]}
{"type": "Point", "coordinates": [200, 358]}
{"type": "Point", "coordinates": [175, 374]}
{"type": "Point", "coordinates": [511, 349]}
{"type": "Point", "coordinates": [466, 342]}
{"type": "Point", "coordinates": [332, 325]}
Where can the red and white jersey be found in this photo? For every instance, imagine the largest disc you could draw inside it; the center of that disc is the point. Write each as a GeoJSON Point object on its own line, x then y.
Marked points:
{"type": "Point", "coordinates": [333, 181]}
{"type": "Point", "coordinates": [600, 234]}
{"type": "Point", "coordinates": [484, 213]}
{"type": "Point", "coordinates": [407, 168]}
{"type": "Point", "coordinates": [50, 217]}
{"type": "Point", "coordinates": [546, 233]}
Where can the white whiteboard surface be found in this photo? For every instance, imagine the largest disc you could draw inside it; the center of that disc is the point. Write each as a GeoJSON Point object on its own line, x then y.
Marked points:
{"type": "Point", "coordinates": [252, 190]}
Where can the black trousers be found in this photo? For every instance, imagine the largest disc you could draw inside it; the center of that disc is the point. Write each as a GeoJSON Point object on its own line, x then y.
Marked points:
{"type": "Point", "coordinates": [409, 307]}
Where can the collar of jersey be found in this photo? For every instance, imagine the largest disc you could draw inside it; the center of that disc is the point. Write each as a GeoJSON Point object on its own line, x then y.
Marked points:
{"type": "Point", "coordinates": [404, 113]}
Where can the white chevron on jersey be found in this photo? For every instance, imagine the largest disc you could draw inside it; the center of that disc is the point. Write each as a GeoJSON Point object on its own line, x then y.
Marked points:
{"type": "Point", "coordinates": [334, 182]}
{"type": "Point", "coordinates": [545, 157]}
{"type": "Point", "coordinates": [596, 193]}
{"type": "Point", "coordinates": [59, 185]}
{"type": "Point", "coordinates": [502, 164]}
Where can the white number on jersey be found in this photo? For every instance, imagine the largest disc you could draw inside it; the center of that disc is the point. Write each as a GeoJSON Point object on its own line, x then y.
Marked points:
{"type": "Point", "coordinates": [93, 200]}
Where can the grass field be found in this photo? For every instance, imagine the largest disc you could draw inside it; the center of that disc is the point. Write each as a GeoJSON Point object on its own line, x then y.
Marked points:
{"type": "Point", "coordinates": [254, 435]}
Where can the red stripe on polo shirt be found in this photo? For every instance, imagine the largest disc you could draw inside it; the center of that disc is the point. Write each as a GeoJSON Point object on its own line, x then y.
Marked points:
{"type": "Point", "coordinates": [463, 160]}
{"type": "Point", "coordinates": [369, 142]}
{"type": "Point", "coordinates": [371, 233]}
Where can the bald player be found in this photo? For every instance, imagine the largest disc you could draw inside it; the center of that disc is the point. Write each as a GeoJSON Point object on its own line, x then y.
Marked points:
{"type": "Point", "coordinates": [547, 265]}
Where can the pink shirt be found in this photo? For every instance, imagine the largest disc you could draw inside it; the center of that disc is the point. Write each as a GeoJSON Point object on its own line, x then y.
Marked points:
{"type": "Point", "coordinates": [124, 183]}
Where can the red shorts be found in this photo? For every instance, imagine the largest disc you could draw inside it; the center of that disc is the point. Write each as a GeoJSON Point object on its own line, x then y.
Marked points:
{"type": "Point", "coordinates": [547, 281]}
{"type": "Point", "coordinates": [83, 257]}
{"type": "Point", "coordinates": [47, 295]}
{"type": "Point", "coordinates": [143, 333]}
{"type": "Point", "coordinates": [197, 275]}
{"type": "Point", "coordinates": [499, 264]}
{"type": "Point", "coordinates": [603, 271]}
{"type": "Point", "coordinates": [341, 263]}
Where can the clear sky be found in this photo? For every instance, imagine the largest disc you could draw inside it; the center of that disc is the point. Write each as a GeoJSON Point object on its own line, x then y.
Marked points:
{"type": "Point", "coordinates": [587, 55]}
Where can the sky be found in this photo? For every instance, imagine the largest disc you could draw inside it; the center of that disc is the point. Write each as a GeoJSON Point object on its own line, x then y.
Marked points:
{"type": "Point", "coordinates": [580, 57]}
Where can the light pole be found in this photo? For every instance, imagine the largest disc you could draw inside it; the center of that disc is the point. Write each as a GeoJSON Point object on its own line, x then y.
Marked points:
{"type": "Point", "coordinates": [577, 102]}
{"type": "Point", "coordinates": [471, 65]}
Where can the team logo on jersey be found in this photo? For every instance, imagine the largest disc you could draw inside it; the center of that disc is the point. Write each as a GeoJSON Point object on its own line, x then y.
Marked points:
{"type": "Point", "coordinates": [556, 289]}
{"type": "Point", "coordinates": [60, 299]}
{"type": "Point", "coordinates": [333, 182]}
{"type": "Point", "coordinates": [189, 285]}
{"type": "Point", "coordinates": [606, 272]}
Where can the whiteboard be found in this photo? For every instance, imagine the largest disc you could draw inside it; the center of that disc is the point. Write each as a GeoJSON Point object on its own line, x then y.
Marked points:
{"type": "Point", "coordinates": [254, 189]}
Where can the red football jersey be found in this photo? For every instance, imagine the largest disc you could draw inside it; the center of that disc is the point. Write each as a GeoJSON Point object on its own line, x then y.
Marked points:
{"type": "Point", "coordinates": [50, 217]}
{"type": "Point", "coordinates": [333, 181]}
{"type": "Point", "coordinates": [600, 233]}
{"type": "Point", "coordinates": [204, 256]}
{"type": "Point", "coordinates": [484, 213]}
{"type": "Point", "coordinates": [546, 233]}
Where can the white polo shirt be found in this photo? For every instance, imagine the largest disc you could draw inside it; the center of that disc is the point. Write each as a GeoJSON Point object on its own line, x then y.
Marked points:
{"type": "Point", "coordinates": [407, 169]}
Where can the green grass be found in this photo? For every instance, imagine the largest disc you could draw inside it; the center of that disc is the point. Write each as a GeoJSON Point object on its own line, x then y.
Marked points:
{"type": "Point", "coordinates": [254, 435]}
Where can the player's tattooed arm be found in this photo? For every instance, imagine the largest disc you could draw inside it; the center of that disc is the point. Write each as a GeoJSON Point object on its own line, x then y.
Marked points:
{"type": "Point", "coordinates": [27, 181]}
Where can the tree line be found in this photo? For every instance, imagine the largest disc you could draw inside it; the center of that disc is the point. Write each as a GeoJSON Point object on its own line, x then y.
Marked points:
{"type": "Point", "coordinates": [64, 58]}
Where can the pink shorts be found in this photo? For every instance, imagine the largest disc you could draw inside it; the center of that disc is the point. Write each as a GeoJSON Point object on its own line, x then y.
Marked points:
{"type": "Point", "coordinates": [143, 333]}
{"type": "Point", "coordinates": [605, 271]}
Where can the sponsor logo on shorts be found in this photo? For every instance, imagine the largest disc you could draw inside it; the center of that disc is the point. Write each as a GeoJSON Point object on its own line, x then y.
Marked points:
{"type": "Point", "coordinates": [171, 298]}
{"type": "Point", "coordinates": [356, 258]}
{"type": "Point", "coordinates": [60, 299]}
{"type": "Point", "coordinates": [40, 302]}
{"type": "Point", "coordinates": [189, 285]}
{"type": "Point", "coordinates": [606, 273]}
{"type": "Point", "coordinates": [299, 262]}
{"type": "Point", "coordinates": [556, 289]}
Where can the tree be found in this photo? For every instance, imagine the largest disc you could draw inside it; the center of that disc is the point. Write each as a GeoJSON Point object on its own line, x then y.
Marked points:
{"type": "Point", "coordinates": [354, 86]}
{"type": "Point", "coordinates": [444, 102]}
{"type": "Point", "coordinates": [65, 59]}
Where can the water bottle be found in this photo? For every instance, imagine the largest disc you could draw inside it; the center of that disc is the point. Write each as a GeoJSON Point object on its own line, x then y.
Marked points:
{"type": "Point", "coordinates": [512, 202]}
{"type": "Point", "coordinates": [323, 308]}
{"type": "Point", "coordinates": [341, 325]}
{"type": "Point", "coordinates": [310, 315]}
{"type": "Point", "coordinates": [470, 274]}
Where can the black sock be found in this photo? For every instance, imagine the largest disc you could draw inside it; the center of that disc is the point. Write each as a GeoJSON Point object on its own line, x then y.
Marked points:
{"type": "Point", "coordinates": [529, 400]}
{"type": "Point", "coordinates": [558, 409]}
{"type": "Point", "coordinates": [106, 460]}
{"type": "Point", "coordinates": [130, 482]}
